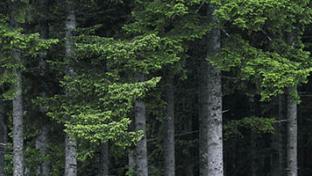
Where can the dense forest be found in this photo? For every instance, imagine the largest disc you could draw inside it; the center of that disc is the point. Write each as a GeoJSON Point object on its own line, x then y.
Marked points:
{"type": "Point", "coordinates": [155, 87]}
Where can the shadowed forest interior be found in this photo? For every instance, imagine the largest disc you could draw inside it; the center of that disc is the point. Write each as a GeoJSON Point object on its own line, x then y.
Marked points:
{"type": "Point", "coordinates": [155, 87]}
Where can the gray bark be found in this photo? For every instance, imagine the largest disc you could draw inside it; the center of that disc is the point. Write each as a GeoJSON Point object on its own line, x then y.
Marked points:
{"type": "Point", "coordinates": [210, 141]}
{"type": "Point", "coordinates": [278, 160]}
{"type": "Point", "coordinates": [104, 160]}
{"type": "Point", "coordinates": [70, 141]}
{"type": "Point", "coordinates": [169, 142]}
{"type": "Point", "coordinates": [292, 165]}
{"type": "Point", "coordinates": [70, 156]}
{"type": "Point", "coordinates": [131, 161]}
{"type": "Point", "coordinates": [18, 143]}
{"type": "Point", "coordinates": [3, 137]}
{"type": "Point", "coordinates": [43, 168]}
{"type": "Point", "coordinates": [141, 147]}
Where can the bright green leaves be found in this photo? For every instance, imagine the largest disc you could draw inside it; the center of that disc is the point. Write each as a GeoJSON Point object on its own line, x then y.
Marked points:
{"type": "Point", "coordinates": [98, 108]}
{"type": "Point", "coordinates": [142, 54]}
{"type": "Point", "coordinates": [271, 71]}
{"type": "Point", "coordinates": [254, 14]}
{"type": "Point", "coordinates": [26, 45]}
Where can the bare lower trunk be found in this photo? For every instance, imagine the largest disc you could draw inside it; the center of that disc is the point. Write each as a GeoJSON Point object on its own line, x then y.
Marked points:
{"type": "Point", "coordinates": [42, 145]}
{"type": "Point", "coordinates": [211, 145]}
{"type": "Point", "coordinates": [253, 154]}
{"type": "Point", "coordinates": [3, 137]}
{"type": "Point", "coordinates": [253, 139]}
{"type": "Point", "coordinates": [141, 147]}
{"type": "Point", "coordinates": [278, 141]}
{"type": "Point", "coordinates": [70, 156]}
{"type": "Point", "coordinates": [43, 168]}
{"type": "Point", "coordinates": [104, 160]}
{"type": "Point", "coordinates": [18, 143]}
{"type": "Point", "coordinates": [292, 168]}
{"type": "Point", "coordinates": [131, 161]}
{"type": "Point", "coordinates": [169, 142]}
{"type": "Point", "coordinates": [131, 155]}
{"type": "Point", "coordinates": [70, 141]}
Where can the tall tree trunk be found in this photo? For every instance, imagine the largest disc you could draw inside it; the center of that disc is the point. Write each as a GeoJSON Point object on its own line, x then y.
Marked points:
{"type": "Point", "coordinates": [253, 139]}
{"type": "Point", "coordinates": [70, 141]}
{"type": "Point", "coordinates": [70, 156]}
{"type": "Point", "coordinates": [131, 154]}
{"type": "Point", "coordinates": [18, 143]}
{"type": "Point", "coordinates": [169, 142]}
{"type": "Point", "coordinates": [211, 144]}
{"type": "Point", "coordinates": [104, 160]}
{"type": "Point", "coordinates": [292, 167]}
{"type": "Point", "coordinates": [43, 168]}
{"type": "Point", "coordinates": [3, 137]}
{"type": "Point", "coordinates": [278, 160]}
{"type": "Point", "coordinates": [131, 161]}
{"type": "Point", "coordinates": [141, 147]}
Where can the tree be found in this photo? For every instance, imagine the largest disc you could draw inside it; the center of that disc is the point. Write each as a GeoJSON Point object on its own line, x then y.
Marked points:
{"type": "Point", "coordinates": [43, 138]}
{"type": "Point", "coordinates": [70, 141]}
{"type": "Point", "coordinates": [211, 142]}
{"type": "Point", "coordinates": [169, 139]}
{"type": "Point", "coordinates": [3, 137]}
{"type": "Point", "coordinates": [18, 143]}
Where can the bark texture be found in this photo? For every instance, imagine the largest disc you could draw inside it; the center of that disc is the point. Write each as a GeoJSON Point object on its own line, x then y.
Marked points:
{"type": "Point", "coordinates": [3, 137]}
{"type": "Point", "coordinates": [292, 165]}
{"type": "Point", "coordinates": [18, 143]}
{"type": "Point", "coordinates": [211, 145]}
{"type": "Point", "coordinates": [141, 147]}
{"type": "Point", "coordinates": [169, 142]}
{"type": "Point", "coordinates": [278, 142]}
{"type": "Point", "coordinates": [131, 161]}
{"type": "Point", "coordinates": [70, 156]}
{"type": "Point", "coordinates": [43, 168]}
{"type": "Point", "coordinates": [42, 145]}
{"type": "Point", "coordinates": [70, 142]}
{"type": "Point", "coordinates": [104, 160]}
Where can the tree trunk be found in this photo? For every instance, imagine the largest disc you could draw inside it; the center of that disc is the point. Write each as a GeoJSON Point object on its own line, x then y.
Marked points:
{"type": "Point", "coordinates": [43, 168]}
{"type": "Point", "coordinates": [278, 141]}
{"type": "Point", "coordinates": [104, 160]}
{"type": "Point", "coordinates": [18, 143]}
{"type": "Point", "coordinates": [70, 156]}
{"type": "Point", "coordinates": [42, 145]}
{"type": "Point", "coordinates": [70, 141]}
{"type": "Point", "coordinates": [3, 137]}
{"type": "Point", "coordinates": [141, 147]}
{"type": "Point", "coordinates": [131, 155]}
{"type": "Point", "coordinates": [211, 144]}
{"type": "Point", "coordinates": [253, 138]}
{"type": "Point", "coordinates": [292, 168]}
{"type": "Point", "coordinates": [131, 161]}
{"type": "Point", "coordinates": [169, 142]}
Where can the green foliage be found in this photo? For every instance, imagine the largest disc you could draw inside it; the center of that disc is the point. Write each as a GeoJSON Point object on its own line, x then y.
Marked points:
{"type": "Point", "coordinates": [272, 71]}
{"type": "Point", "coordinates": [255, 15]}
{"type": "Point", "coordinates": [15, 41]}
{"type": "Point", "coordinates": [141, 54]}
{"type": "Point", "coordinates": [234, 128]}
